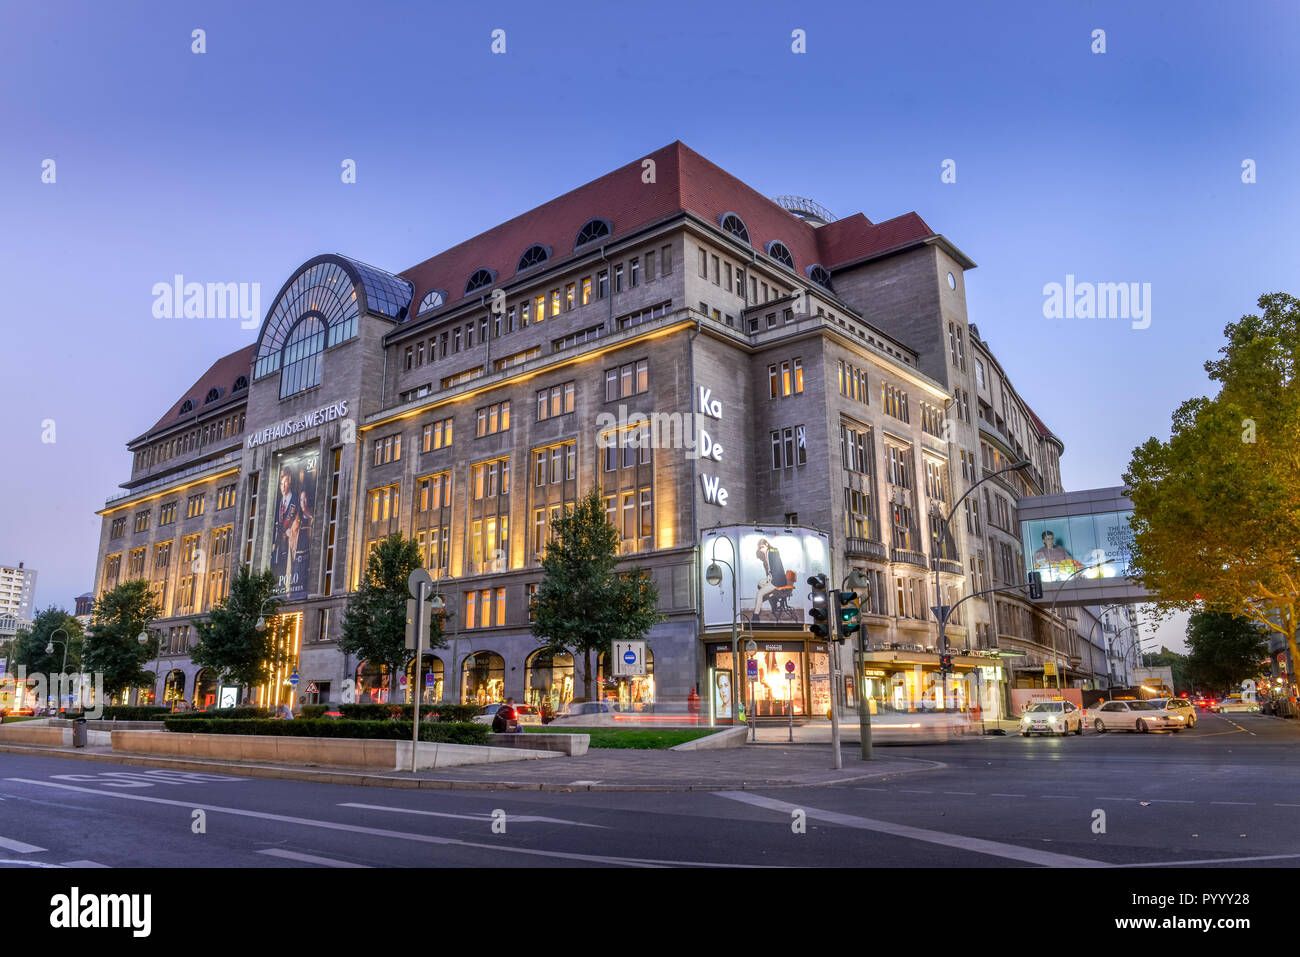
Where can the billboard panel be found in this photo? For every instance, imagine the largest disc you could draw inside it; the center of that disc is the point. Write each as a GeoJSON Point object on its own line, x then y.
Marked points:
{"type": "Point", "coordinates": [293, 511]}
{"type": "Point", "coordinates": [774, 565]}
{"type": "Point", "coordinates": [1059, 548]}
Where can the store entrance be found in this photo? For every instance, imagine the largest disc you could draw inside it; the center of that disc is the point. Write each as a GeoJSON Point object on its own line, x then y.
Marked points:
{"type": "Point", "coordinates": [789, 678]}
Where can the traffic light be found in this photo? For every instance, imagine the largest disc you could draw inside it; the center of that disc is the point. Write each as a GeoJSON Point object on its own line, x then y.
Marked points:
{"type": "Point", "coordinates": [850, 614]}
{"type": "Point", "coordinates": [945, 663]}
{"type": "Point", "coordinates": [1035, 585]}
{"type": "Point", "coordinates": [818, 610]}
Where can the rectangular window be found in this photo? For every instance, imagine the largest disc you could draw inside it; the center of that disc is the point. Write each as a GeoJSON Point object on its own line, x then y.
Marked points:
{"type": "Point", "coordinates": [494, 418]}
{"type": "Point", "coordinates": [586, 290]}
{"type": "Point", "coordinates": [618, 278]}
{"type": "Point", "coordinates": [388, 449]}
{"type": "Point", "coordinates": [634, 268]}
{"type": "Point", "coordinates": [650, 265]}
{"type": "Point", "coordinates": [539, 308]}
{"type": "Point", "coordinates": [569, 291]}
{"type": "Point", "coordinates": [225, 497]}
{"type": "Point", "coordinates": [665, 260]}
{"type": "Point", "coordinates": [602, 284]}
{"type": "Point", "coordinates": [704, 263]}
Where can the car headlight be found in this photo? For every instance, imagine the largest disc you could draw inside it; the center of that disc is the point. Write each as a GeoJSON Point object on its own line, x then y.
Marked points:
{"type": "Point", "coordinates": [1051, 719]}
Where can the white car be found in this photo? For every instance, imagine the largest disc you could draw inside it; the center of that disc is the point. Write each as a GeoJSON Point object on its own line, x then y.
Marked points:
{"type": "Point", "coordinates": [1180, 706]}
{"type": "Point", "coordinates": [1051, 717]}
{"type": "Point", "coordinates": [526, 714]}
{"type": "Point", "coordinates": [1141, 716]}
{"type": "Point", "coordinates": [586, 713]}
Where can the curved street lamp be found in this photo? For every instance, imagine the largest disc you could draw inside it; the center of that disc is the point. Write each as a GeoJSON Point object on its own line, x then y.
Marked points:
{"type": "Point", "coordinates": [713, 575]}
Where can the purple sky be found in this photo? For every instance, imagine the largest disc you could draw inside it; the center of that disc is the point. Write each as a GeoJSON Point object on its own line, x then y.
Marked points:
{"type": "Point", "coordinates": [1115, 167]}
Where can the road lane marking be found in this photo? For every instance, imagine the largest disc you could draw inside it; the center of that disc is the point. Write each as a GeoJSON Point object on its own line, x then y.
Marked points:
{"type": "Point", "coordinates": [18, 847]}
{"type": "Point", "coordinates": [483, 818]}
{"type": "Point", "coordinates": [915, 791]}
{"type": "Point", "coordinates": [1239, 727]}
{"type": "Point", "coordinates": [998, 794]}
{"type": "Point", "coordinates": [957, 841]}
{"type": "Point", "coordinates": [1286, 805]}
{"type": "Point", "coordinates": [383, 832]}
{"type": "Point", "coordinates": [1168, 801]}
{"type": "Point", "coordinates": [1236, 803]}
{"type": "Point", "coordinates": [1061, 797]}
{"type": "Point", "coordinates": [29, 864]}
{"type": "Point", "coordinates": [82, 864]}
{"type": "Point", "coordinates": [309, 858]}
{"type": "Point", "coordinates": [962, 793]}
{"type": "Point", "coordinates": [1211, 860]}
{"type": "Point", "coordinates": [871, 789]}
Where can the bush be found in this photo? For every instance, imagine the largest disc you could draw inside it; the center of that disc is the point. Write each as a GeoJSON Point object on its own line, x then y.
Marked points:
{"type": "Point", "coordinates": [445, 732]}
{"type": "Point", "coordinates": [406, 712]}
{"type": "Point", "coordinates": [311, 711]}
{"type": "Point", "coordinates": [222, 713]}
{"type": "Point", "coordinates": [135, 712]}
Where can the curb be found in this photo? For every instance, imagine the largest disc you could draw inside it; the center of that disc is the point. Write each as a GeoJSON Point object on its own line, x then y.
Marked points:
{"type": "Point", "coordinates": [335, 776]}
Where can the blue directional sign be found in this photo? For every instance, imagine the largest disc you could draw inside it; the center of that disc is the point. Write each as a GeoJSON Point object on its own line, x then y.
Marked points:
{"type": "Point", "coordinates": [630, 657]}
{"type": "Point", "coordinates": [293, 678]}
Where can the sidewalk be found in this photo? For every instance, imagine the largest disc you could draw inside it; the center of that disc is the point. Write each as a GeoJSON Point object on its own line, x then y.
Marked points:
{"type": "Point", "coordinates": [747, 768]}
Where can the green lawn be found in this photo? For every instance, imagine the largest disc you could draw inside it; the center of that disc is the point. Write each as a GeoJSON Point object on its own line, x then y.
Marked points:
{"type": "Point", "coordinates": [10, 719]}
{"type": "Point", "coordinates": [629, 738]}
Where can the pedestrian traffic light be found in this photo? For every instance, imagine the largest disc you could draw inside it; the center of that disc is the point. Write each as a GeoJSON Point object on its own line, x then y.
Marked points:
{"type": "Point", "coordinates": [818, 607]}
{"type": "Point", "coordinates": [850, 614]}
{"type": "Point", "coordinates": [945, 663]}
{"type": "Point", "coordinates": [1035, 585]}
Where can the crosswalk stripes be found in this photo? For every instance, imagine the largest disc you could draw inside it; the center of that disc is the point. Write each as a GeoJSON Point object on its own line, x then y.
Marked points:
{"type": "Point", "coordinates": [309, 858]}
{"type": "Point", "coordinates": [19, 847]}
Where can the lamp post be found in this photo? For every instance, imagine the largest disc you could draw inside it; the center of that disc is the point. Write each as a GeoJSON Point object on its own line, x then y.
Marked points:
{"type": "Point", "coordinates": [942, 610]}
{"type": "Point", "coordinates": [49, 650]}
{"type": "Point", "coordinates": [713, 575]}
{"type": "Point", "coordinates": [1096, 620]}
{"type": "Point", "coordinates": [260, 626]}
{"type": "Point", "coordinates": [143, 639]}
{"type": "Point", "coordinates": [1051, 610]}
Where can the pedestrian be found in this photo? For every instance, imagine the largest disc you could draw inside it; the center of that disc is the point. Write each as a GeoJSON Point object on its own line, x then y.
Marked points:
{"type": "Point", "coordinates": [286, 713]}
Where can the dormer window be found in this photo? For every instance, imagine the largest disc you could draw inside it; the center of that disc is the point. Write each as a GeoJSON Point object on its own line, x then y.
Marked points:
{"type": "Point", "coordinates": [593, 230]}
{"type": "Point", "coordinates": [533, 256]}
{"type": "Point", "coordinates": [481, 279]}
{"type": "Point", "coordinates": [779, 252]}
{"type": "Point", "coordinates": [432, 300]}
{"type": "Point", "coordinates": [213, 395]}
{"type": "Point", "coordinates": [240, 384]}
{"type": "Point", "coordinates": [187, 406]}
{"type": "Point", "coordinates": [733, 224]}
{"type": "Point", "coordinates": [820, 275]}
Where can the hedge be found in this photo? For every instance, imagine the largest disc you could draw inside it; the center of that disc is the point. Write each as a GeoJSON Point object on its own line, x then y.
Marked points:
{"type": "Point", "coordinates": [441, 731]}
{"type": "Point", "coordinates": [135, 712]}
{"type": "Point", "coordinates": [315, 710]}
{"type": "Point", "coordinates": [244, 712]}
{"type": "Point", "coordinates": [406, 712]}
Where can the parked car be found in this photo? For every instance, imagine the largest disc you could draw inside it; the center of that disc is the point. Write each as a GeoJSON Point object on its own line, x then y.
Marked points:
{"type": "Point", "coordinates": [1236, 705]}
{"type": "Point", "coordinates": [1051, 717]}
{"type": "Point", "coordinates": [525, 714]}
{"type": "Point", "coordinates": [1137, 716]}
{"type": "Point", "coordinates": [586, 712]}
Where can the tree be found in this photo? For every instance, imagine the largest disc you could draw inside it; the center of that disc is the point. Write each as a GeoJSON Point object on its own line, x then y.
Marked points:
{"type": "Point", "coordinates": [229, 642]}
{"type": "Point", "coordinates": [1224, 650]}
{"type": "Point", "coordinates": [374, 622]}
{"type": "Point", "coordinates": [28, 647]}
{"type": "Point", "coordinates": [583, 603]}
{"type": "Point", "coordinates": [112, 649]}
{"type": "Point", "coordinates": [1217, 508]}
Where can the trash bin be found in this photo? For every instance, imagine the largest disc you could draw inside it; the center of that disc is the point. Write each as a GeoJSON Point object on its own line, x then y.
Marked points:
{"type": "Point", "coordinates": [79, 732]}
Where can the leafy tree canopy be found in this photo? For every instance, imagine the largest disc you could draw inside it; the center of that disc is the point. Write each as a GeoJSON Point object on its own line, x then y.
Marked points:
{"type": "Point", "coordinates": [112, 648]}
{"type": "Point", "coordinates": [229, 642]}
{"type": "Point", "coordinates": [1225, 650]}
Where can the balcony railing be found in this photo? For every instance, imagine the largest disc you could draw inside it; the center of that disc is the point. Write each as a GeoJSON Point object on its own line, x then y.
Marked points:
{"type": "Point", "coordinates": [230, 458]}
{"type": "Point", "coordinates": [946, 565]}
{"type": "Point", "coordinates": [910, 557]}
{"type": "Point", "coordinates": [865, 548]}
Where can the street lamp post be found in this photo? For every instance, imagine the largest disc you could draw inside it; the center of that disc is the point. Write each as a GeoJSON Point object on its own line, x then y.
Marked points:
{"type": "Point", "coordinates": [1051, 610]}
{"type": "Point", "coordinates": [143, 639]}
{"type": "Point", "coordinates": [49, 650]}
{"type": "Point", "coordinates": [941, 610]}
{"type": "Point", "coordinates": [713, 575]}
{"type": "Point", "coordinates": [260, 626]}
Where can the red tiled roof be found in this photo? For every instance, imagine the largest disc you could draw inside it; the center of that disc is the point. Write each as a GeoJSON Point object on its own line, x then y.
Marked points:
{"type": "Point", "coordinates": [221, 375]}
{"type": "Point", "coordinates": [684, 182]}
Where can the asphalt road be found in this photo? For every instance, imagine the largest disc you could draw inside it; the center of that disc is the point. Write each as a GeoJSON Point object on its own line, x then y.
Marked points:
{"type": "Point", "coordinates": [1226, 793]}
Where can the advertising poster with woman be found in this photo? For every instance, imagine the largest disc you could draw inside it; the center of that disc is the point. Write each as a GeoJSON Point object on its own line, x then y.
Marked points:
{"type": "Point", "coordinates": [293, 512]}
{"type": "Point", "coordinates": [774, 566]}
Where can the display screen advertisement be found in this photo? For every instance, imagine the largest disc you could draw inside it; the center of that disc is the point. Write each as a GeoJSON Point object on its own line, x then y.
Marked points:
{"type": "Point", "coordinates": [1060, 548]}
{"type": "Point", "coordinates": [772, 565]}
{"type": "Point", "coordinates": [293, 511]}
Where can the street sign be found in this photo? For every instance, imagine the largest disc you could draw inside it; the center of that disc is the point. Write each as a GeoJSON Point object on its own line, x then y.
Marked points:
{"type": "Point", "coordinates": [410, 624]}
{"type": "Point", "coordinates": [629, 659]}
{"type": "Point", "coordinates": [418, 577]}
{"type": "Point", "coordinates": [751, 666]}
{"type": "Point", "coordinates": [428, 679]}
{"type": "Point", "coordinates": [402, 681]}
{"type": "Point", "coordinates": [1049, 669]}
{"type": "Point", "coordinates": [941, 611]}
{"type": "Point", "coordinates": [293, 678]}
{"type": "Point", "coordinates": [789, 669]}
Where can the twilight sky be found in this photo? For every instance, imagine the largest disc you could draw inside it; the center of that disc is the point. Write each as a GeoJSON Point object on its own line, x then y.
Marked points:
{"type": "Point", "coordinates": [1124, 166]}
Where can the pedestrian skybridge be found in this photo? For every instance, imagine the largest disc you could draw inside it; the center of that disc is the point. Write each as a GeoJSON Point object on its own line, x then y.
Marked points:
{"type": "Point", "coordinates": [1080, 543]}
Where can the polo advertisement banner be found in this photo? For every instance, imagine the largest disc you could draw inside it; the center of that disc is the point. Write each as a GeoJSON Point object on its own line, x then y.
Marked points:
{"type": "Point", "coordinates": [773, 569]}
{"type": "Point", "coordinates": [294, 510]}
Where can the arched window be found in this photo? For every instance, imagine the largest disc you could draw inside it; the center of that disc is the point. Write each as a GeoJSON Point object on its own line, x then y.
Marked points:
{"type": "Point", "coordinates": [483, 678]}
{"type": "Point", "coordinates": [820, 275]}
{"type": "Point", "coordinates": [550, 680]}
{"type": "Point", "coordinates": [372, 683]}
{"type": "Point", "coordinates": [205, 690]}
{"type": "Point", "coordinates": [533, 256]}
{"type": "Point", "coordinates": [240, 384]}
{"type": "Point", "coordinates": [301, 362]}
{"type": "Point", "coordinates": [778, 251]}
{"type": "Point", "coordinates": [633, 694]}
{"type": "Point", "coordinates": [734, 225]}
{"type": "Point", "coordinates": [593, 229]}
{"type": "Point", "coordinates": [430, 691]}
{"type": "Point", "coordinates": [212, 396]}
{"type": "Point", "coordinates": [174, 687]}
{"type": "Point", "coordinates": [432, 300]}
{"type": "Point", "coordinates": [481, 279]}
{"type": "Point", "coordinates": [187, 406]}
